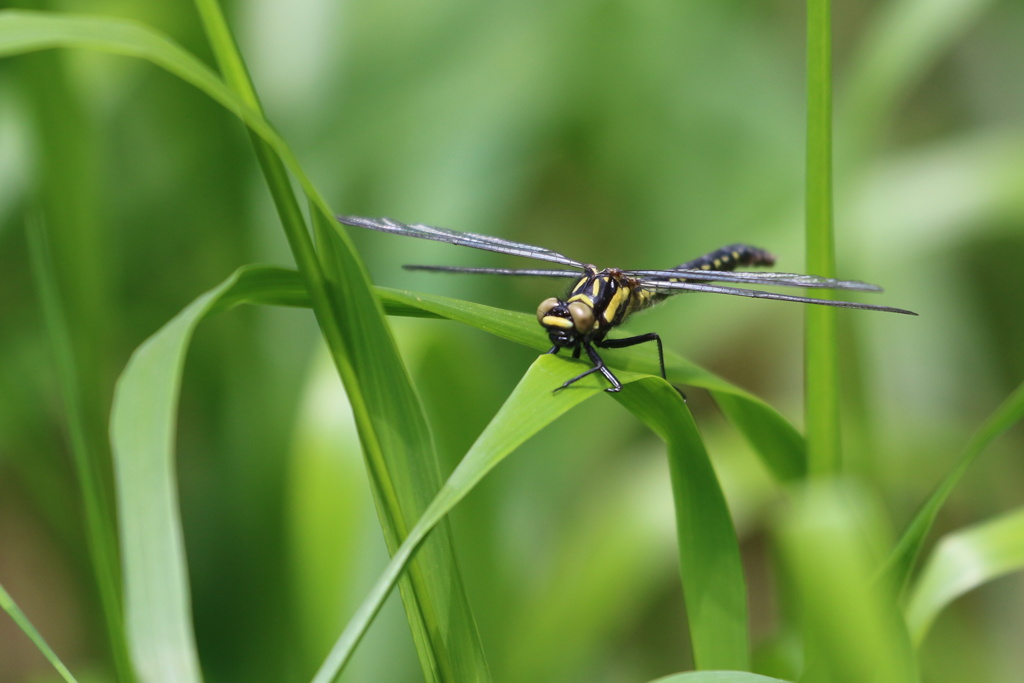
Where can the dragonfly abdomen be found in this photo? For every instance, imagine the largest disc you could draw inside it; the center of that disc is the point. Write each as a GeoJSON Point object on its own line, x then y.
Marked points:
{"type": "Point", "coordinates": [730, 258]}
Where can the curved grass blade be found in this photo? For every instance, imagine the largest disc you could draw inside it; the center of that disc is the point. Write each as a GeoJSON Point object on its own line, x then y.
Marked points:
{"type": "Point", "coordinates": [158, 611]}
{"type": "Point", "coordinates": [778, 443]}
{"type": "Point", "coordinates": [531, 407]}
{"type": "Point", "coordinates": [901, 561]}
{"type": "Point", "coordinates": [712, 576]}
{"type": "Point", "coordinates": [142, 428]}
{"type": "Point", "coordinates": [709, 555]}
{"type": "Point", "coordinates": [157, 602]}
{"type": "Point", "coordinates": [19, 618]}
{"type": "Point", "coordinates": [961, 562]}
{"type": "Point", "coordinates": [717, 677]}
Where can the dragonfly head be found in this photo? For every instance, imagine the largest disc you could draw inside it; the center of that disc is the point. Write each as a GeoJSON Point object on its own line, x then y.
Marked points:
{"type": "Point", "coordinates": [565, 322]}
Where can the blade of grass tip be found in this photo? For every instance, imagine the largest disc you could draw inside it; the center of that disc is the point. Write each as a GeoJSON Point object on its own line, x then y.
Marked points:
{"type": "Point", "coordinates": [709, 555]}
{"type": "Point", "coordinates": [851, 628]}
{"type": "Point", "coordinates": [157, 603]}
{"type": "Point", "coordinates": [531, 406]}
{"type": "Point", "coordinates": [97, 504]}
{"type": "Point", "coordinates": [821, 360]}
{"type": "Point", "coordinates": [961, 562]}
{"type": "Point", "coordinates": [19, 618]}
{"type": "Point", "coordinates": [900, 563]}
{"type": "Point", "coordinates": [717, 677]}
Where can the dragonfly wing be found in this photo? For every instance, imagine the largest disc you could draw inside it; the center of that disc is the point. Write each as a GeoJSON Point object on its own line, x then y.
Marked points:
{"type": "Point", "coordinates": [675, 287]}
{"type": "Point", "coordinates": [465, 239]}
{"type": "Point", "coordinates": [497, 271]}
{"type": "Point", "coordinates": [773, 279]}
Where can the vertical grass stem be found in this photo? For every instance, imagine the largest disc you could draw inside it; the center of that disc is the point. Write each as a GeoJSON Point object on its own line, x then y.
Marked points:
{"type": "Point", "coordinates": [821, 362]}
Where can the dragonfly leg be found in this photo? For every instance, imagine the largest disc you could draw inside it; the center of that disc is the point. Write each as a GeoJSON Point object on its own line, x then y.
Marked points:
{"type": "Point", "coordinates": [599, 366]}
{"type": "Point", "coordinates": [553, 350]}
{"type": "Point", "coordinates": [633, 341]}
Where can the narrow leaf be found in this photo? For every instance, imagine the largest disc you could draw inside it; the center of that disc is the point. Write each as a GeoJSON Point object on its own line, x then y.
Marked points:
{"type": "Point", "coordinates": [12, 609]}
{"type": "Point", "coordinates": [158, 613]}
{"type": "Point", "coordinates": [709, 555]}
{"type": "Point", "coordinates": [89, 449]}
{"type": "Point", "coordinates": [900, 563]}
{"type": "Point", "coordinates": [774, 438]}
{"type": "Point", "coordinates": [961, 562]}
{"type": "Point", "coordinates": [532, 406]}
{"type": "Point", "coordinates": [405, 471]}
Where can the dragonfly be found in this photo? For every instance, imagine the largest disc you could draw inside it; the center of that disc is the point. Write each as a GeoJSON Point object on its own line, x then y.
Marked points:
{"type": "Point", "coordinates": [601, 300]}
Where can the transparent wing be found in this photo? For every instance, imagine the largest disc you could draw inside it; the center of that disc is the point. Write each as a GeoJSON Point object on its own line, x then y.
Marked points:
{"type": "Point", "coordinates": [676, 287]}
{"type": "Point", "coordinates": [465, 239]}
{"type": "Point", "coordinates": [774, 279]}
{"type": "Point", "coordinates": [498, 271]}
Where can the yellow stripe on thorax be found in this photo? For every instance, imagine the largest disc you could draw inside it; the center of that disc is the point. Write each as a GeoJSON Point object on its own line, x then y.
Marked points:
{"type": "Point", "coordinates": [621, 296]}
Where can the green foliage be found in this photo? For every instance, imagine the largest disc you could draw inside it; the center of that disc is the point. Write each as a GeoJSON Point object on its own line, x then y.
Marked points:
{"type": "Point", "coordinates": [26, 626]}
{"type": "Point", "coordinates": [636, 134]}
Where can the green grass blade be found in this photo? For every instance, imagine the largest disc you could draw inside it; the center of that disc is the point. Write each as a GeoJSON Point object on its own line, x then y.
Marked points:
{"type": "Point", "coordinates": [88, 453]}
{"type": "Point", "coordinates": [717, 677]}
{"type": "Point", "coordinates": [709, 555]}
{"type": "Point", "coordinates": [143, 417]}
{"type": "Point", "coordinates": [438, 610]}
{"type": "Point", "coordinates": [19, 618]}
{"type": "Point", "coordinates": [142, 434]}
{"type": "Point", "coordinates": [851, 628]}
{"type": "Point", "coordinates": [532, 406]}
{"type": "Point", "coordinates": [961, 562]}
{"type": "Point", "coordinates": [158, 613]}
{"type": "Point", "coordinates": [821, 357]}
{"type": "Point", "coordinates": [776, 440]}
{"type": "Point", "coordinates": [900, 562]}
{"type": "Point", "coordinates": [712, 575]}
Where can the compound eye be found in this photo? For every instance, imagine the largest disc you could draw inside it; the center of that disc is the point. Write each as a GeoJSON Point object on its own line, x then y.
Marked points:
{"type": "Point", "coordinates": [545, 307]}
{"type": "Point", "coordinates": [582, 316]}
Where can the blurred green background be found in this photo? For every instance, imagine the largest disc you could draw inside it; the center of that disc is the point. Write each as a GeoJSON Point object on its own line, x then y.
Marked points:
{"type": "Point", "coordinates": [633, 134]}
